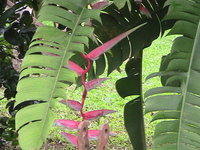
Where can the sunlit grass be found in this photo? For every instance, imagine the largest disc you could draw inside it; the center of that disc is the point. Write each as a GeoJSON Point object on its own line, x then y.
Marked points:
{"type": "Point", "coordinates": [106, 97]}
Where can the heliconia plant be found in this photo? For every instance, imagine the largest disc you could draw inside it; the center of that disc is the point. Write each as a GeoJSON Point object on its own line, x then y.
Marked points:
{"type": "Point", "coordinates": [48, 69]}
{"type": "Point", "coordinates": [77, 106]}
{"type": "Point", "coordinates": [89, 85]}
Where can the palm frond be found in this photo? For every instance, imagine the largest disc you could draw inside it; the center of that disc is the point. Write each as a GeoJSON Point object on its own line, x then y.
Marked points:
{"type": "Point", "coordinates": [44, 77]}
{"type": "Point", "coordinates": [176, 104]}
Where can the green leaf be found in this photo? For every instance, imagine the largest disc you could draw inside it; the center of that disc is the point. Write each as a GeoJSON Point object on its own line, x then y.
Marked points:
{"type": "Point", "coordinates": [44, 76]}
{"type": "Point", "coordinates": [130, 85]}
{"type": "Point", "coordinates": [133, 119]}
{"type": "Point", "coordinates": [133, 110]}
{"type": "Point", "coordinates": [116, 21]}
{"type": "Point", "coordinates": [176, 104]}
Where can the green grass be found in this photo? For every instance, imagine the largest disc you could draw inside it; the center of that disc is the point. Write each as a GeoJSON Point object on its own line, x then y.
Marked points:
{"type": "Point", "coordinates": [106, 97]}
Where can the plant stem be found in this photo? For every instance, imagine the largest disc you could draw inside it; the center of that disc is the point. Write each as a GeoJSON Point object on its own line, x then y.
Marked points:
{"type": "Point", "coordinates": [84, 95]}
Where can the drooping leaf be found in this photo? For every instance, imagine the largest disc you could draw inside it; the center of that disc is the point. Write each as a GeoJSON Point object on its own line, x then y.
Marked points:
{"type": "Point", "coordinates": [133, 110]}
{"type": "Point", "coordinates": [94, 83]}
{"type": "Point", "coordinates": [94, 54]}
{"type": "Point", "coordinates": [134, 123]}
{"type": "Point", "coordinates": [127, 86]}
{"type": "Point", "coordinates": [96, 114]}
{"type": "Point", "coordinates": [75, 105]}
{"type": "Point", "coordinates": [130, 85]}
{"type": "Point", "coordinates": [70, 138]}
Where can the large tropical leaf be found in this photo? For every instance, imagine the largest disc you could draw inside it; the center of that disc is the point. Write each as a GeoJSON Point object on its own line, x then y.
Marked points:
{"type": "Point", "coordinates": [44, 77]}
{"type": "Point", "coordinates": [116, 21]}
{"type": "Point", "coordinates": [177, 108]}
{"type": "Point", "coordinates": [133, 111]}
{"type": "Point", "coordinates": [132, 84]}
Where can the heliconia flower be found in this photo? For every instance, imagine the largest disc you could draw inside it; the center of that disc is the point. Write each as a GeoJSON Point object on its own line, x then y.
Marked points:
{"type": "Point", "coordinates": [94, 54]}
{"type": "Point", "coordinates": [70, 138]}
{"type": "Point", "coordinates": [100, 4]}
{"type": "Point", "coordinates": [75, 105]}
{"type": "Point", "coordinates": [73, 66]}
{"type": "Point", "coordinates": [145, 11]}
{"type": "Point", "coordinates": [95, 114]}
{"type": "Point", "coordinates": [69, 124]}
{"type": "Point", "coordinates": [93, 134]}
{"type": "Point", "coordinates": [94, 83]}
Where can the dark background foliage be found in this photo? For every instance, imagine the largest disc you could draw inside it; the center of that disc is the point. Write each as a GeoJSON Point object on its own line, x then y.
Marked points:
{"type": "Point", "coordinates": [16, 31]}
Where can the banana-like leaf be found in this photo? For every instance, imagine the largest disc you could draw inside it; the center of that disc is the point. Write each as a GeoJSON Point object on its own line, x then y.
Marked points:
{"type": "Point", "coordinates": [134, 123]}
{"type": "Point", "coordinates": [43, 77]}
{"type": "Point", "coordinates": [133, 110]}
{"type": "Point", "coordinates": [116, 21]}
{"type": "Point", "coordinates": [176, 104]}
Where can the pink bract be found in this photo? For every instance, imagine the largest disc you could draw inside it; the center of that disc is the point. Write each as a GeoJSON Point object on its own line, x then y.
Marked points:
{"type": "Point", "coordinates": [69, 124]}
{"type": "Point", "coordinates": [71, 138]}
{"type": "Point", "coordinates": [76, 68]}
{"type": "Point", "coordinates": [95, 114]}
{"type": "Point", "coordinates": [94, 54]}
{"type": "Point", "coordinates": [94, 83]}
{"type": "Point", "coordinates": [75, 105]}
{"type": "Point", "coordinates": [93, 134]}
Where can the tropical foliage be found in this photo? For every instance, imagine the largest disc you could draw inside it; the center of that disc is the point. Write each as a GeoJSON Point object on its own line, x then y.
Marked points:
{"type": "Point", "coordinates": [68, 38]}
{"type": "Point", "coordinates": [76, 105]}
{"type": "Point", "coordinates": [177, 103]}
{"type": "Point", "coordinates": [16, 31]}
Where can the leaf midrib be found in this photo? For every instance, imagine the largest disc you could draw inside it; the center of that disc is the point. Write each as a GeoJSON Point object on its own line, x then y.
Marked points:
{"type": "Point", "coordinates": [59, 70]}
{"type": "Point", "coordinates": [185, 86]}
